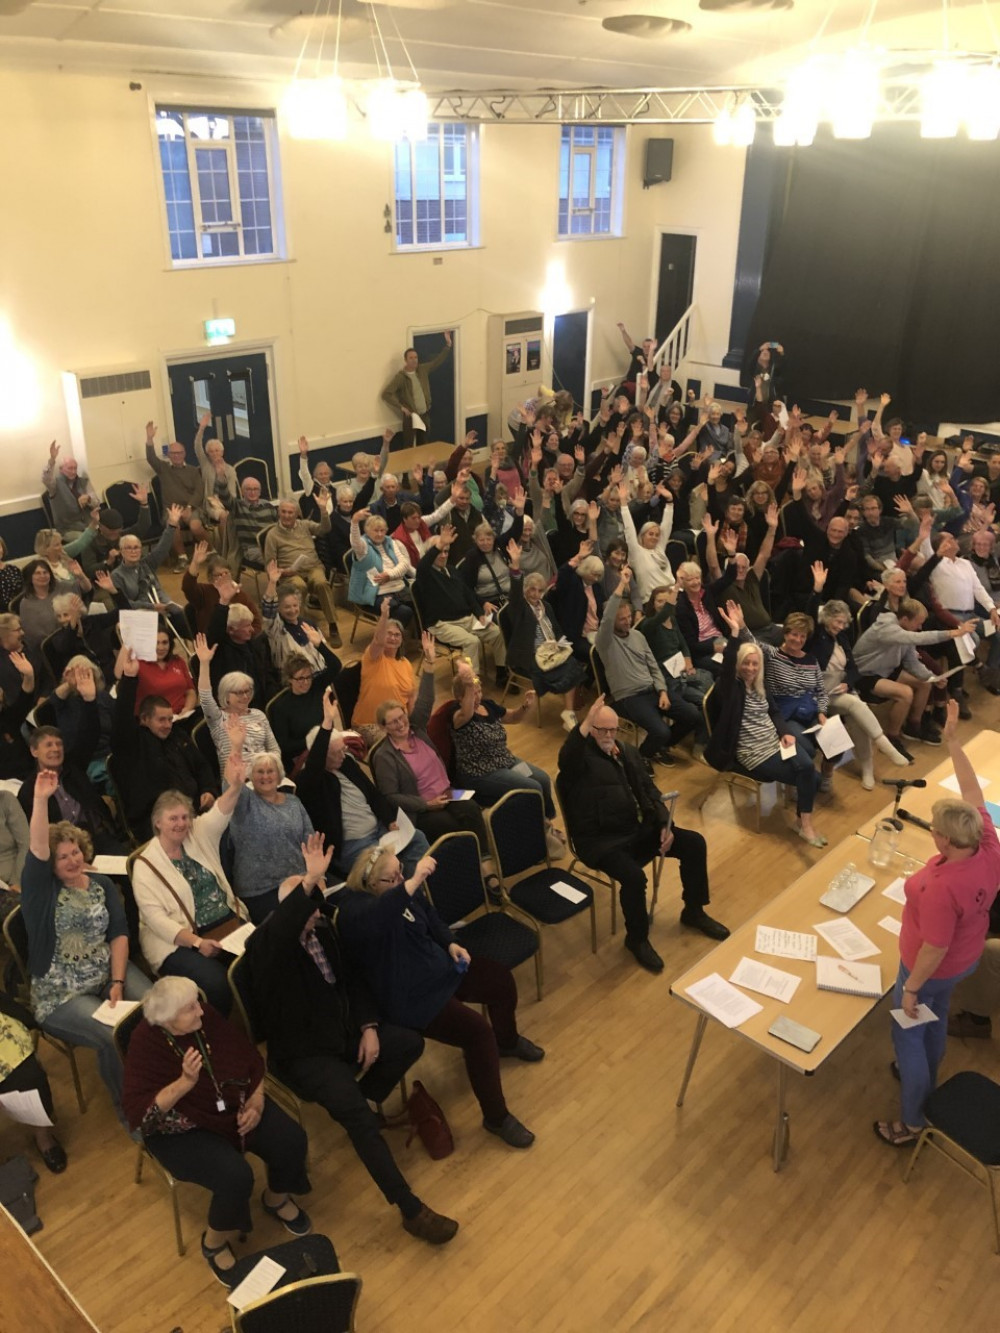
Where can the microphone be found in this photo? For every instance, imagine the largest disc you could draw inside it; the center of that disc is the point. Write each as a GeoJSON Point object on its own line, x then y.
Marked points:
{"type": "Point", "coordinates": [900, 783]}
{"type": "Point", "coordinates": [914, 819]}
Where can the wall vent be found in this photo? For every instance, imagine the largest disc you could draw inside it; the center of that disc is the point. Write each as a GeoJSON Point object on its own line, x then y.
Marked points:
{"type": "Point", "coordinates": [99, 386]}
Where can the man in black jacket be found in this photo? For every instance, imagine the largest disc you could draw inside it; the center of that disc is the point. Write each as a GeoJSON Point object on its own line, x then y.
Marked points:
{"type": "Point", "coordinates": [452, 611]}
{"type": "Point", "coordinates": [240, 648]}
{"type": "Point", "coordinates": [321, 1027]}
{"type": "Point", "coordinates": [149, 755]}
{"type": "Point", "coordinates": [619, 822]}
{"type": "Point", "coordinates": [76, 798]}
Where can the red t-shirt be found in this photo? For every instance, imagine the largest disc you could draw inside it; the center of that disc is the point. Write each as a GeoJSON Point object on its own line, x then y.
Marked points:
{"type": "Point", "coordinates": [948, 905]}
{"type": "Point", "coordinates": [171, 679]}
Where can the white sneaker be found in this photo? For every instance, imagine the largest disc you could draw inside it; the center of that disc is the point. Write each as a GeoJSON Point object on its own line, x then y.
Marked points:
{"type": "Point", "coordinates": [568, 719]}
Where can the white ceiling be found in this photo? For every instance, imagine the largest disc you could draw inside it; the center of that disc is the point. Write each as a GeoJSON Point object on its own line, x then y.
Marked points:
{"type": "Point", "coordinates": [473, 43]}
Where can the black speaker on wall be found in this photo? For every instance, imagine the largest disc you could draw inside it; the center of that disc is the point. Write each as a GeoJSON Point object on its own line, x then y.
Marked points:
{"type": "Point", "coordinates": [659, 162]}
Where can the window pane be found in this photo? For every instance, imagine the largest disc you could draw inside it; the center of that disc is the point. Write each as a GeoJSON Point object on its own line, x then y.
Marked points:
{"type": "Point", "coordinates": [202, 398]}
{"type": "Point", "coordinates": [208, 127]}
{"type": "Point", "coordinates": [213, 184]}
{"type": "Point", "coordinates": [587, 179]}
{"type": "Point", "coordinates": [177, 188]}
{"type": "Point", "coordinates": [431, 183]}
{"type": "Point", "coordinates": [241, 407]}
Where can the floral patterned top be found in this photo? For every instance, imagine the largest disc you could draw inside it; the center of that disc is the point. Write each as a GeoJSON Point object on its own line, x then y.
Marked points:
{"type": "Point", "coordinates": [81, 963]}
{"type": "Point", "coordinates": [210, 903]}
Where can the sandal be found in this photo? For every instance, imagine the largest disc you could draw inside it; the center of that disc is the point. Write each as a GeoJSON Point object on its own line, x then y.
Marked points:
{"type": "Point", "coordinates": [814, 840]}
{"type": "Point", "coordinates": [903, 1137]}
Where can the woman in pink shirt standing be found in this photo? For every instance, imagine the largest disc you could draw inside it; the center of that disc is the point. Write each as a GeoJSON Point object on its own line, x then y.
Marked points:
{"type": "Point", "coordinates": [945, 921]}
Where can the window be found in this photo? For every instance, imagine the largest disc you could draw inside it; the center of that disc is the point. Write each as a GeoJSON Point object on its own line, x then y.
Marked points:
{"type": "Point", "coordinates": [219, 169]}
{"type": "Point", "coordinates": [436, 194]}
{"type": "Point", "coordinates": [590, 180]}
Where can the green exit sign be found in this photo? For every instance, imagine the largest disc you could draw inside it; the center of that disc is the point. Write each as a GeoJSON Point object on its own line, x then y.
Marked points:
{"type": "Point", "coordinates": [219, 330]}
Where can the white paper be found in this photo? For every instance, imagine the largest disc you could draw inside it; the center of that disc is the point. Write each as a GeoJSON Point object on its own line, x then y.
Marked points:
{"type": "Point", "coordinates": [460, 794]}
{"type": "Point", "coordinates": [401, 835]}
{"type": "Point", "coordinates": [787, 751]}
{"type": "Point", "coordinates": [111, 865]}
{"type": "Point", "coordinates": [785, 943]}
{"type": "Point", "coordinates": [951, 783]}
{"type": "Point", "coordinates": [109, 1017]}
{"type": "Point", "coordinates": [568, 892]}
{"type": "Point", "coordinates": [724, 1002]}
{"type": "Point", "coordinates": [675, 665]}
{"type": "Point", "coordinates": [891, 924]}
{"type": "Point", "coordinates": [849, 942]}
{"type": "Point", "coordinates": [261, 1279]}
{"type": "Point", "coordinates": [717, 657]}
{"type": "Point", "coordinates": [417, 421]}
{"type": "Point", "coordinates": [938, 680]}
{"type": "Point", "coordinates": [139, 630]}
{"type": "Point", "coordinates": [765, 980]}
{"type": "Point", "coordinates": [966, 646]}
{"type": "Point", "coordinates": [833, 738]}
{"type": "Point", "coordinates": [894, 891]}
{"type": "Point", "coordinates": [25, 1107]}
{"type": "Point", "coordinates": [924, 1015]}
{"type": "Point", "coordinates": [989, 629]}
{"type": "Point", "coordinates": [236, 942]}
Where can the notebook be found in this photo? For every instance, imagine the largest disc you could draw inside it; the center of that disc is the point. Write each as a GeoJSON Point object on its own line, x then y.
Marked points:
{"type": "Point", "coordinates": [849, 978]}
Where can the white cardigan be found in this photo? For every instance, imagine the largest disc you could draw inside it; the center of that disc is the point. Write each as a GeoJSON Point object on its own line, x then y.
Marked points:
{"type": "Point", "coordinates": [650, 568]}
{"type": "Point", "coordinates": [160, 918]}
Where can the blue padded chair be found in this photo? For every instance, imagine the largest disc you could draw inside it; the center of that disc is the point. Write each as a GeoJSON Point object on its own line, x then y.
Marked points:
{"type": "Point", "coordinates": [457, 891]}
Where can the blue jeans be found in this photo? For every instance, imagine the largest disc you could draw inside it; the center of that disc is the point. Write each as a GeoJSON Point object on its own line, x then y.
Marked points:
{"type": "Point", "coordinates": [490, 788]}
{"type": "Point", "coordinates": [72, 1022]}
{"type": "Point", "coordinates": [642, 709]}
{"type": "Point", "coordinates": [919, 1050]}
{"type": "Point", "coordinates": [799, 770]}
{"type": "Point", "coordinates": [352, 848]}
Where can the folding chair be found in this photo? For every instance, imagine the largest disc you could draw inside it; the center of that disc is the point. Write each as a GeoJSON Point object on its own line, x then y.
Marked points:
{"type": "Point", "coordinates": [516, 678]}
{"type": "Point", "coordinates": [256, 468]}
{"type": "Point", "coordinates": [731, 779]}
{"type": "Point", "coordinates": [361, 613]}
{"type": "Point", "coordinates": [316, 1305]}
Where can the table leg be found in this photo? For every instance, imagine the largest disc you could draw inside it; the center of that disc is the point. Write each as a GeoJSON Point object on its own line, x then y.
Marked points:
{"type": "Point", "coordinates": [699, 1032]}
{"type": "Point", "coordinates": [780, 1145]}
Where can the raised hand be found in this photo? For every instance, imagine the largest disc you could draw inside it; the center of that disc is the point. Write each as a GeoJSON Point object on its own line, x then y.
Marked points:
{"type": "Point", "coordinates": [733, 616]}
{"type": "Point", "coordinates": [429, 646]}
{"type": "Point", "coordinates": [202, 650]}
{"type": "Point", "coordinates": [46, 782]}
{"type": "Point", "coordinates": [150, 432]}
{"type": "Point", "coordinates": [330, 710]}
{"type": "Point", "coordinates": [709, 525]}
{"type": "Point", "coordinates": [236, 769]}
{"type": "Point", "coordinates": [22, 665]}
{"type": "Point", "coordinates": [316, 859]}
{"type": "Point", "coordinates": [819, 573]}
{"type": "Point", "coordinates": [446, 536]}
{"type": "Point", "coordinates": [729, 542]}
{"type": "Point", "coordinates": [174, 515]}
{"type": "Point", "coordinates": [885, 399]}
{"type": "Point", "coordinates": [53, 452]}
{"type": "Point", "coordinates": [771, 517]}
{"type": "Point", "coordinates": [313, 634]}
{"type": "Point", "coordinates": [593, 511]}
{"type": "Point", "coordinates": [514, 553]}
{"type": "Point", "coordinates": [86, 686]}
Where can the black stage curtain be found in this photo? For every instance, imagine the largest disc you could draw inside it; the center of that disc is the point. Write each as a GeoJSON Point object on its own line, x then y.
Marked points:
{"type": "Point", "coordinates": [883, 272]}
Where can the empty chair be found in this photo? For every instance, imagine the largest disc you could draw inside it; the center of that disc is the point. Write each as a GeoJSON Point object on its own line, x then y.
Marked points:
{"type": "Point", "coordinates": [315, 1305]}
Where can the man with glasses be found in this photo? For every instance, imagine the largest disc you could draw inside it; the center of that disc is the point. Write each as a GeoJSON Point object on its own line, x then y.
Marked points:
{"type": "Point", "coordinates": [618, 822]}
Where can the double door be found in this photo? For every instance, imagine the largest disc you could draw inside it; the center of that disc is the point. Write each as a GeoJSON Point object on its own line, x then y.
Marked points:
{"type": "Point", "coordinates": [234, 391]}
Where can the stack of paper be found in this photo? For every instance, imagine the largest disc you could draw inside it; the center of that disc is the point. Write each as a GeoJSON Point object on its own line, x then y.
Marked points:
{"type": "Point", "coordinates": [724, 1002]}
{"type": "Point", "coordinates": [785, 943]}
{"type": "Point", "coordinates": [765, 980]}
{"type": "Point", "coordinates": [849, 942]}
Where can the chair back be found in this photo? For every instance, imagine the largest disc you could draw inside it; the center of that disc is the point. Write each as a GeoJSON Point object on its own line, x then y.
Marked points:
{"type": "Point", "coordinates": [316, 1305]}
{"type": "Point", "coordinates": [46, 650]}
{"type": "Point", "coordinates": [504, 621]}
{"type": "Point", "coordinates": [676, 553]}
{"type": "Point", "coordinates": [116, 792]}
{"type": "Point", "coordinates": [516, 825]}
{"type": "Point", "coordinates": [764, 584]}
{"type": "Point", "coordinates": [710, 708]}
{"type": "Point", "coordinates": [256, 468]}
{"type": "Point", "coordinates": [456, 888]}
{"type": "Point", "coordinates": [14, 605]}
{"type": "Point", "coordinates": [263, 535]}
{"type": "Point", "coordinates": [273, 700]}
{"type": "Point", "coordinates": [347, 687]}
{"type": "Point", "coordinates": [47, 509]}
{"type": "Point", "coordinates": [243, 1009]}
{"type": "Point", "coordinates": [417, 609]}
{"type": "Point", "coordinates": [124, 1030]}
{"type": "Point", "coordinates": [118, 495]}
{"type": "Point", "coordinates": [439, 729]}
{"type": "Point", "coordinates": [15, 932]}
{"type": "Point", "coordinates": [600, 676]}
{"type": "Point", "coordinates": [202, 737]}
{"type": "Point", "coordinates": [566, 806]}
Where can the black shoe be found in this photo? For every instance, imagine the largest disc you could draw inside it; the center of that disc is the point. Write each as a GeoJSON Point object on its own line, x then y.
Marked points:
{"type": "Point", "coordinates": [715, 930]}
{"type": "Point", "coordinates": [54, 1157]}
{"type": "Point", "coordinates": [434, 1228]}
{"type": "Point", "coordinates": [503, 675]}
{"type": "Point", "coordinates": [964, 712]}
{"type": "Point", "coordinates": [911, 730]}
{"type": "Point", "coordinates": [663, 757]}
{"type": "Point", "coordinates": [225, 1275]}
{"type": "Point", "coordinates": [299, 1225]}
{"type": "Point", "coordinates": [524, 1050]}
{"type": "Point", "coordinates": [513, 1133]}
{"type": "Point", "coordinates": [644, 954]}
{"type": "Point", "coordinates": [929, 733]}
{"type": "Point", "coordinates": [897, 744]}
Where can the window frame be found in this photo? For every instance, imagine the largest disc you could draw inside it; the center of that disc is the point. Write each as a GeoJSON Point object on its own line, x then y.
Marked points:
{"type": "Point", "coordinates": [269, 118]}
{"type": "Point", "coordinates": [619, 154]}
{"type": "Point", "coordinates": [473, 145]}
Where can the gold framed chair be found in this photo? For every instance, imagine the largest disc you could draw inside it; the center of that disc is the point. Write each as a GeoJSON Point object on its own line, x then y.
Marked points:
{"type": "Point", "coordinates": [731, 779]}
{"type": "Point", "coordinates": [316, 1305]}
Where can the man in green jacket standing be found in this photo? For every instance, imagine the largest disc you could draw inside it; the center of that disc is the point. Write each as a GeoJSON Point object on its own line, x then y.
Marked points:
{"type": "Point", "coordinates": [409, 391]}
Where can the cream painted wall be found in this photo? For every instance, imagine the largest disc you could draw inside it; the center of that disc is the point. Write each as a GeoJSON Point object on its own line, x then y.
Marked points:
{"type": "Point", "coordinates": [86, 282]}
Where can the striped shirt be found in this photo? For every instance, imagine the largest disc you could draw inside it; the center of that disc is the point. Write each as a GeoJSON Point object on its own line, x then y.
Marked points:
{"type": "Point", "coordinates": [758, 739]}
{"type": "Point", "coordinates": [788, 677]}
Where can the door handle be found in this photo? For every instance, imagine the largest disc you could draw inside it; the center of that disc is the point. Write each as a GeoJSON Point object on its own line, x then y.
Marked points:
{"type": "Point", "coordinates": [232, 429]}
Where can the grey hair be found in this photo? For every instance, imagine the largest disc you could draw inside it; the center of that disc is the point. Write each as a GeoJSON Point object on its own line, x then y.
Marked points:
{"type": "Point", "coordinates": [287, 499]}
{"type": "Point", "coordinates": [166, 998]}
{"type": "Point", "coordinates": [389, 476]}
{"type": "Point", "coordinates": [830, 610]}
{"type": "Point", "coordinates": [238, 614]}
{"type": "Point", "coordinates": [638, 455]}
{"type": "Point", "coordinates": [483, 530]}
{"type": "Point", "coordinates": [44, 537]}
{"type": "Point", "coordinates": [82, 661]}
{"type": "Point", "coordinates": [313, 732]}
{"type": "Point", "coordinates": [534, 581]}
{"type": "Point", "coordinates": [374, 521]}
{"type": "Point", "coordinates": [345, 493]}
{"type": "Point", "coordinates": [591, 564]}
{"type": "Point", "coordinates": [887, 574]}
{"type": "Point", "coordinates": [61, 602]}
{"type": "Point", "coordinates": [267, 756]}
{"type": "Point", "coordinates": [689, 569]}
{"type": "Point", "coordinates": [232, 680]}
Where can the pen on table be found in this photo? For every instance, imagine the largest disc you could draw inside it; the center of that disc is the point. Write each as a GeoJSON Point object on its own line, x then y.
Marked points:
{"type": "Point", "coordinates": [842, 968]}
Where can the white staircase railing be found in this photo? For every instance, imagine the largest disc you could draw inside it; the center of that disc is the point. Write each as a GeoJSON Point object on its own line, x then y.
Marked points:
{"type": "Point", "coordinates": [677, 344]}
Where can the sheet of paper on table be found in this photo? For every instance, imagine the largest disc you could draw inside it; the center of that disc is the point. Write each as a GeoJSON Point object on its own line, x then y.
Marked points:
{"type": "Point", "coordinates": [785, 943]}
{"type": "Point", "coordinates": [924, 1015]}
{"type": "Point", "coordinates": [724, 1002]}
{"type": "Point", "coordinates": [261, 1279]}
{"type": "Point", "coordinates": [890, 924]}
{"type": "Point", "coordinates": [849, 942]}
{"type": "Point", "coordinates": [950, 783]}
{"type": "Point", "coordinates": [895, 891]}
{"type": "Point", "coordinates": [765, 980]}
{"type": "Point", "coordinates": [109, 1017]}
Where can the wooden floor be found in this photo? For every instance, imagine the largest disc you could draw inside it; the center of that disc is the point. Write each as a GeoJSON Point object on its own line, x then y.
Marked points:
{"type": "Point", "coordinates": [627, 1213]}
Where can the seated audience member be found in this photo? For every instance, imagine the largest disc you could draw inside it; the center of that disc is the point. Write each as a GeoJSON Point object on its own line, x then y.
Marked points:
{"type": "Point", "coordinates": [235, 696]}
{"type": "Point", "coordinates": [296, 710]}
{"type": "Point", "coordinates": [203, 598]}
{"type": "Point", "coordinates": [211, 459]}
{"type": "Point", "coordinates": [37, 607]}
{"type": "Point", "coordinates": [11, 646]}
{"type": "Point", "coordinates": [741, 580]}
{"type": "Point", "coordinates": [75, 798]}
{"type": "Point", "coordinates": [135, 574]}
{"type": "Point", "coordinates": [538, 648]}
{"type": "Point", "coordinates": [615, 560]}
{"type": "Point", "coordinates": [813, 503]}
{"type": "Point", "coordinates": [876, 534]}
{"type": "Point", "coordinates": [102, 551]}
{"type": "Point", "coordinates": [342, 507]}
{"type": "Point", "coordinates": [321, 1023]}
{"type": "Point", "coordinates": [319, 492]}
{"type": "Point", "coordinates": [831, 646]}
{"type": "Point", "coordinates": [248, 516]}
{"type": "Point", "coordinates": [381, 569]}
{"type": "Point", "coordinates": [464, 517]}
{"type": "Point", "coordinates": [635, 679]}
{"type": "Point", "coordinates": [699, 618]}
{"type": "Point", "coordinates": [184, 899]}
{"type": "Point", "coordinates": [391, 498]}
{"type": "Point", "coordinates": [13, 850]}
{"type": "Point", "coordinates": [482, 758]}
{"type": "Point", "coordinates": [67, 572]}
{"type": "Point", "coordinates": [267, 829]}
{"type": "Point", "coordinates": [956, 583]}
{"type": "Point", "coordinates": [22, 1072]}
{"type": "Point", "coordinates": [169, 676]}
{"type": "Point", "coordinates": [536, 554]}
{"type": "Point", "coordinates": [77, 936]}
{"type": "Point", "coordinates": [286, 629]}
{"type": "Point", "coordinates": [886, 656]}
{"type": "Point", "coordinates": [451, 610]}
{"type": "Point", "coordinates": [15, 757]}
{"type": "Point", "coordinates": [11, 579]}
{"type": "Point", "coordinates": [150, 755]}
{"type": "Point", "coordinates": [94, 636]}
{"type": "Point", "coordinates": [485, 569]}
{"type": "Point", "coordinates": [69, 709]}
{"type": "Point", "coordinates": [618, 823]}
{"type": "Point", "coordinates": [194, 1089]}
{"type": "Point", "coordinates": [384, 672]}
{"type": "Point", "coordinates": [342, 801]}
{"type": "Point", "coordinates": [183, 488]}
{"type": "Point", "coordinates": [686, 685]}
{"type": "Point", "coordinates": [578, 599]}
{"type": "Point", "coordinates": [69, 491]}
{"type": "Point", "coordinates": [238, 648]}
{"type": "Point", "coordinates": [647, 549]}
{"type": "Point", "coordinates": [290, 544]}
{"type": "Point", "coordinates": [793, 680]}
{"type": "Point", "coordinates": [748, 730]}
{"type": "Point", "coordinates": [573, 529]}
{"type": "Point", "coordinates": [420, 977]}
{"type": "Point", "coordinates": [411, 774]}
{"type": "Point", "coordinates": [414, 530]}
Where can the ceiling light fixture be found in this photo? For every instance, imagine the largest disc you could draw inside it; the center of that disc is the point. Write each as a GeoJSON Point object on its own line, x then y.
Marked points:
{"type": "Point", "coordinates": [315, 106]}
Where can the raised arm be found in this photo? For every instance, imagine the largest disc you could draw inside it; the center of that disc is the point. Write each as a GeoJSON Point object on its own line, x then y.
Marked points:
{"type": "Point", "coordinates": [767, 545]}
{"type": "Point", "coordinates": [38, 830]}
{"type": "Point", "coordinates": [968, 784]}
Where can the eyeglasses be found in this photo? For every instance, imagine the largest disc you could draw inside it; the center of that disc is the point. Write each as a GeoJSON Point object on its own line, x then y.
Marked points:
{"type": "Point", "coordinates": [604, 731]}
{"type": "Point", "coordinates": [244, 689]}
{"type": "Point", "coordinates": [301, 680]}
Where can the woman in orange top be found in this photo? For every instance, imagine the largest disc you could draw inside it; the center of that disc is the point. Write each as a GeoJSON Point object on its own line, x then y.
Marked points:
{"type": "Point", "coordinates": [384, 675]}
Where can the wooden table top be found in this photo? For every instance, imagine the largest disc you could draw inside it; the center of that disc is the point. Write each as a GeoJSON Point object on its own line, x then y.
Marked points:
{"type": "Point", "coordinates": [401, 460]}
